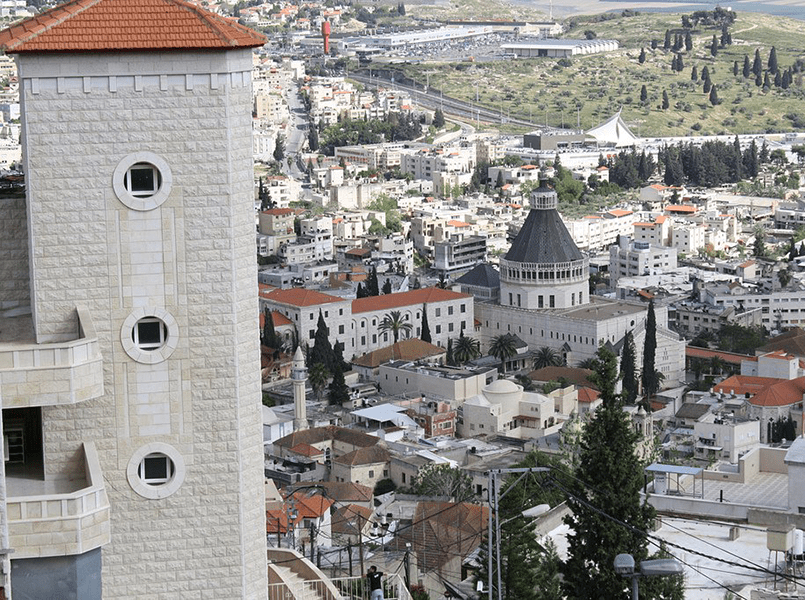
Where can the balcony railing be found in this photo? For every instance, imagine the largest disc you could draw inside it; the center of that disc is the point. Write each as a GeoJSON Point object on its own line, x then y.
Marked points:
{"type": "Point", "coordinates": [61, 524]}
{"type": "Point", "coordinates": [348, 588]}
{"type": "Point", "coordinates": [54, 373]}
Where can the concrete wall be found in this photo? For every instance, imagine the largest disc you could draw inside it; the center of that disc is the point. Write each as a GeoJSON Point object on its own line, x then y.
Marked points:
{"type": "Point", "coordinates": [696, 506]}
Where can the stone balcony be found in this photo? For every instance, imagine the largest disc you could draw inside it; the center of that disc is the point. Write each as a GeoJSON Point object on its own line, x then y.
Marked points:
{"type": "Point", "coordinates": [51, 374]}
{"type": "Point", "coordinates": [59, 518]}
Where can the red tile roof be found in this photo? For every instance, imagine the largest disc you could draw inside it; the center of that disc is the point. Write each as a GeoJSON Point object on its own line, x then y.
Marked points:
{"type": "Point", "coordinates": [114, 25]}
{"type": "Point", "coordinates": [784, 393]}
{"type": "Point", "coordinates": [400, 299]}
{"type": "Point", "coordinates": [727, 357]}
{"type": "Point", "coordinates": [300, 297]}
{"type": "Point", "coordinates": [746, 384]}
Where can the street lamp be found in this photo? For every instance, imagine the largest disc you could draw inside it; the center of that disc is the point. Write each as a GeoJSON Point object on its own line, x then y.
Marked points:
{"type": "Point", "coordinates": [661, 567]}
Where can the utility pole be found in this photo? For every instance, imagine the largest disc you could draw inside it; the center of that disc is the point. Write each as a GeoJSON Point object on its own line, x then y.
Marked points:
{"type": "Point", "coordinates": [494, 497]}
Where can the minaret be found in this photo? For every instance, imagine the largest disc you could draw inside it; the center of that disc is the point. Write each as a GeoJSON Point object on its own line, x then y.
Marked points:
{"type": "Point", "coordinates": [299, 377]}
{"type": "Point", "coordinates": [137, 142]}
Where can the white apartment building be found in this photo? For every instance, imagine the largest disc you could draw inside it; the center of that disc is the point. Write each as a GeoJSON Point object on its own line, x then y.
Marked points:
{"type": "Point", "coordinates": [422, 164]}
{"type": "Point", "coordinates": [314, 244]}
{"type": "Point", "coordinates": [434, 381]}
{"type": "Point", "coordinates": [599, 232]}
{"type": "Point", "coordinates": [781, 309]}
{"type": "Point", "coordinates": [395, 249]}
{"type": "Point", "coordinates": [688, 239]}
{"type": "Point", "coordinates": [639, 258]}
{"type": "Point", "coordinates": [657, 232]}
{"type": "Point", "coordinates": [459, 253]}
{"type": "Point", "coordinates": [724, 437]}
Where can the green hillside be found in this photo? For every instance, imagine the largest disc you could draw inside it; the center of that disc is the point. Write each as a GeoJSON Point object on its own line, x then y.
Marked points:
{"type": "Point", "coordinates": [591, 88]}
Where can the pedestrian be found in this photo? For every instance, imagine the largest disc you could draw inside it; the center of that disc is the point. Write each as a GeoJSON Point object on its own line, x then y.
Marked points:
{"type": "Point", "coordinates": [375, 583]}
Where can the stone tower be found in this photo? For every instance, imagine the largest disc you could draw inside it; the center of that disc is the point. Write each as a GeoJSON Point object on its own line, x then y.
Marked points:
{"type": "Point", "coordinates": [137, 153]}
{"type": "Point", "coordinates": [544, 268]}
{"type": "Point", "coordinates": [299, 377]}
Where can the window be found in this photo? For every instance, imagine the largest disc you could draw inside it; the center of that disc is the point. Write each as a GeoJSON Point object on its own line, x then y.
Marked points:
{"type": "Point", "coordinates": [463, 308]}
{"type": "Point", "coordinates": [438, 312]}
{"type": "Point", "coordinates": [156, 469]}
{"type": "Point", "coordinates": [450, 327]}
{"type": "Point", "coordinates": [142, 180]}
{"type": "Point", "coordinates": [149, 333]}
{"type": "Point", "coordinates": [438, 329]}
{"type": "Point", "coordinates": [403, 477]}
{"type": "Point", "coordinates": [449, 310]}
{"type": "Point", "coordinates": [340, 329]}
{"type": "Point", "coordinates": [312, 333]}
{"type": "Point", "coordinates": [552, 301]}
{"type": "Point", "coordinates": [371, 474]}
{"type": "Point", "coordinates": [540, 302]}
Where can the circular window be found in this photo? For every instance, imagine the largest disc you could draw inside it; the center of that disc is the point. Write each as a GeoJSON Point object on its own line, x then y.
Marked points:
{"type": "Point", "coordinates": [156, 471]}
{"type": "Point", "coordinates": [149, 335]}
{"type": "Point", "coordinates": [142, 181]}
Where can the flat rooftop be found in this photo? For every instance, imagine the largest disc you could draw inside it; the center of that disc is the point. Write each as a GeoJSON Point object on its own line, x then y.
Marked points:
{"type": "Point", "coordinates": [769, 490]}
{"type": "Point", "coordinates": [600, 309]}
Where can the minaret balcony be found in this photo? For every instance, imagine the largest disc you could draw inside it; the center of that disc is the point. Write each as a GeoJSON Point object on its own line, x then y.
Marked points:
{"type": "Point", "coordinates": [58, 517]}
{"type": "Point", "coordinates": [49, 374]}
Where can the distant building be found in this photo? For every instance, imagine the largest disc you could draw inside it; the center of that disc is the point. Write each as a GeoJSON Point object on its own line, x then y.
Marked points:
{"type": "Point", "coordinates": [555, 48]}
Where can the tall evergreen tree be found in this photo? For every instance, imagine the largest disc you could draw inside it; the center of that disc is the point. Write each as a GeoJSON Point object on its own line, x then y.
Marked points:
{"type": "Point", "coordinates": [747, 68]}
{"type": "Point", "coordinates": [649, 375]}
{"type": "Point", "coordinates": [714, 46]}
{"type": "Point", "coordinates": [607, 483]}
{"type": "Point", "coordinates": [735, 68]}
{"type": "Point", "coordinates": [449, 358]}
{"type": "Point", "coordinates": [665, 103]}
{"type": "Point", "coordinates": [372, 284]}
{"type": "Point", "coordinates": [424, 334]}
{"type": "Point", "coordinates": [643, 94]}
{"type": "Point", "coordinates": [694, 75]}
{"type": "Point", "coordinates": [736, 162]}
{"type": "Point", "coordinates": [628, 370]}
{"type": "Point", "coordinates": [688, 42]}
{"type": "Point", "coordinates": [705, 73]}
{"type": "Point", "coordinates": [667, 43]}
{"type": "Point", "coordinates": [750, 161]}
{"type": "Point", "coordinates": [387, 286]}
{"type": "Point", "coordinates": [714, 96]}
{"type": "Point", "coordinates": [680, 64]}
{"type": "Point", "coordinates": [757, 64]}
{"type": "Point", "coordinates": [322, 351]}
{"type": "Point", "coordinates": [642, 58]}
{"type": "Point", "coordinates": [338, 390]}
{"type": "Point", "coordinates": [438, 119]}
{"type": "Point", "coordinates": [772, 60]}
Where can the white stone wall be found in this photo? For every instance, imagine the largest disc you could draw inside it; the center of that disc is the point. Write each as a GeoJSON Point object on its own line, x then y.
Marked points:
{"type": "Point", "coordinates": [192, 257]}
{"type": "Point", "coordinates": [14, 278]}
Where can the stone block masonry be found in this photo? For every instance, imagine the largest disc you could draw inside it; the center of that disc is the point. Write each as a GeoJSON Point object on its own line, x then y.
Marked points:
{"type": "Point", "coordinates": [191, 255]}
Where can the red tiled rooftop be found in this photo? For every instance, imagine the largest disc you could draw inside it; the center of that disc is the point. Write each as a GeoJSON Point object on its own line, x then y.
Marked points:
{"type": "Point", "coordinates": [300, 297]}
{"type": "Point", "coordinates": [746, 384]}
{"type": "Point", "coordinates": [114, 25]}
{"type": "Point", "coordinates": [685, 208]}
{"type": "Point", "coordinates": [619, 212]}
{"type": "Point", "coordinates": [400, 299]}
{"type": "Point", "coordinates": [727, 357]}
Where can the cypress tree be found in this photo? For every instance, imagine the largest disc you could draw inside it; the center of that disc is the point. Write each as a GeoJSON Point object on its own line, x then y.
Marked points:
{"type": "Point", "coordinates": [766, 82]}
{"type": "Point", "coordinates": [758, 80]}
{"type": "Point", "coordinates": [713, 96]}
{"type": "Point", "coordinates": [714, 46]}
{"type": "Point", "coordinates": [338, 388]}
{"type": "Point", "coordinates": [665, 103]}
{"type": "Point", "coordinates": [322, 351]}
{"type": "Point", "coordinates": [778, 79]}
{"type": "Point", "coordinates": [735, 68]}
{"type": "Point", "coordinates": [757, 65]}
{"type": "Point", "coordinates": [387, 286]}
{"type": "Point", "coordinates": [666, 45]}
{"type": "Point", "coordinates": [608, 481]}
{"type": "Point", "coordinates": [425, 333]}
{"type": "Point", "coordinates": [680, 64]}
{"type": "Point", "coordinates": [694, 75]}
{"type": "Point", "coordinates": [747, 68]}
{"type": "Point", "coordinates": [688, 41]}
{"type": "Point", "coordinates": [643, 94]}
{"type": "Point", "coordinates": [649, 377]}
{"type": "Point", "coordinates": [372, 284]}
{"type": "Point", "coordinates": [773, 60]}
{"type": "Point", "coordinates": [642, 57]}
{"type": "Point", "coordinates": [628, 369]}
{"type": "Point", "coordinates": [449, 358]}
{"type": "Point", "coordinates": [707, 85]}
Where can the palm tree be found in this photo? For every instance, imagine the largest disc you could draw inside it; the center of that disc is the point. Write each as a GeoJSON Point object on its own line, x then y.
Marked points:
{"type": "Point", "coordinates": [717, 365]}
{"type": "Point", "coordinates": [587, 363]}
{"type": "Point", "coordinates": [547, 357]}
{"type": "Point", "coordinates": [395, 323]}
{"type": "Point", "coordinates": [466, 348]}
{"type": "Point", "coordinates": [503, 347]}
{"type": "Point", "coordinates": [318, 376]}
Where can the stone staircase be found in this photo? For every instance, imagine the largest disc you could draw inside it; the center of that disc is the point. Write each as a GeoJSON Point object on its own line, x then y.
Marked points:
{"type": "Point", "coordinates": [297, 586]}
